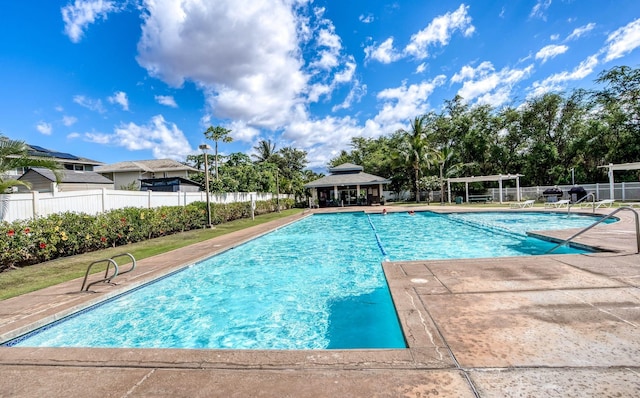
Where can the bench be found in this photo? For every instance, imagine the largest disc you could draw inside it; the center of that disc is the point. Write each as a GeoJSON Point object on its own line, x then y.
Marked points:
{"type": "Point", "coordinates": [480, 198]}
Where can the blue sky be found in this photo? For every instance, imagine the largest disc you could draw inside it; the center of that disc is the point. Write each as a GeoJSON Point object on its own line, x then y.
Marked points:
{"type": "Point", "coordinates": [143, 79]}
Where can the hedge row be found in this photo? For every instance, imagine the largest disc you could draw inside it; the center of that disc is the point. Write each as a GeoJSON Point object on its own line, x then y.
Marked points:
{"type": "Point", "coordinates": [27, 242]}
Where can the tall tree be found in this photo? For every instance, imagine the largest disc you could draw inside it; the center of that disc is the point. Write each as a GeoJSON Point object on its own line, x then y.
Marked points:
{"type": "Point", "coordinates": [15, 155]}
{"type": "Point", "coordinates": [417, 150]}
{"type": "Point", "coordinates": [265, 152]}
{"type": "Point", "coordinates": [216, 134]}
{"type": "Point", "coordinates": [619, 104]}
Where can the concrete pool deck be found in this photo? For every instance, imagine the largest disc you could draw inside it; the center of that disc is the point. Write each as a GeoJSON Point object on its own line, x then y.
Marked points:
{"type": "Point", "coordinates": [560, 325]}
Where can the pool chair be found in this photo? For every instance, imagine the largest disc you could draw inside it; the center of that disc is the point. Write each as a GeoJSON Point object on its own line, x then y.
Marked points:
{"type": "Point", "coordinates": [522, 205]}
{"type": "Point", "coordinates": [601, 203]}
{"type": "Point", "coordinates": [558, 204]}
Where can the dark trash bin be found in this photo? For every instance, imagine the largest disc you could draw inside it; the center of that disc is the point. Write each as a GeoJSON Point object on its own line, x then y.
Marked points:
{"type": "Point", "coordinates": [458, 200]}
{"type": "Point", "coordinates": [552, 194]}
{"type": "Point", "coordinates": [577, 193]}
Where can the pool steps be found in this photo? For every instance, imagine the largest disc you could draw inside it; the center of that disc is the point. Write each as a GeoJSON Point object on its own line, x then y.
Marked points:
{"type": "Point", "coordinates": [484, 225]}
{"type": "Point", "coordinates": [107, 278]}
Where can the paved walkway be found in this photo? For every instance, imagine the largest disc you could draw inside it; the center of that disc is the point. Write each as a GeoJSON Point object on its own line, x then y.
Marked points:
{"type": "Point", "coordinates": [565, 325]}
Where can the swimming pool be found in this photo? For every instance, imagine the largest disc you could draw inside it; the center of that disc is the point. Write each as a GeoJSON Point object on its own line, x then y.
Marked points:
{"type": "Point", "coordinates": [314, 284]}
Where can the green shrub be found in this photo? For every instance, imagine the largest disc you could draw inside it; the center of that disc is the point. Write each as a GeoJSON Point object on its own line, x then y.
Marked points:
{"type": "Point", "coordinates": [27, 242]}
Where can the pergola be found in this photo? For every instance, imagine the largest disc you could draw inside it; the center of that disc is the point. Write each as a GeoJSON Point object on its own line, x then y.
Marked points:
{"type": "Point", "coordinates": [499, 178]}
{"type": "Point", "coordinates": [618, 167]}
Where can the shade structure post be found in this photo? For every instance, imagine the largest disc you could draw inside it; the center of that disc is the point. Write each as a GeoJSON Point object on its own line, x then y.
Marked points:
{"type": "Point", "coordinates": [611, 182]}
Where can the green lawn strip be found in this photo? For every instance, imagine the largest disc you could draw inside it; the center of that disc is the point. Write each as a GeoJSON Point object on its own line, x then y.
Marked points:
{"type": "Point", "coordinates": [28, 279]}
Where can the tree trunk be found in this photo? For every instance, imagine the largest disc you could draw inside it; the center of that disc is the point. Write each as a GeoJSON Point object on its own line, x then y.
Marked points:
{"type": "Point", "coordinates": [417, 176]}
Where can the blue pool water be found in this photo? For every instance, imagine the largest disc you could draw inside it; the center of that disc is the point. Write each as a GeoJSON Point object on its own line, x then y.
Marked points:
{"type": "Point", "coordinates": [314, 284]}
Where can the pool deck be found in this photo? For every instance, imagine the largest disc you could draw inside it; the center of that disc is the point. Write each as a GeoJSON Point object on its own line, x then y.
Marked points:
{"type": "Point", "coordinates": [546, 326]}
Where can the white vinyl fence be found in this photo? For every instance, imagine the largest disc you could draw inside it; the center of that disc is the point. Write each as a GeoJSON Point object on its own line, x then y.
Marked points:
{"type": "Point", "coordinates": [622, 192]}
{"type": "Point", "coordinates": [22, 206]}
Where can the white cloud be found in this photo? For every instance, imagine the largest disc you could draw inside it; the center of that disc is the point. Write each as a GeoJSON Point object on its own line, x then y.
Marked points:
{"type": "Point", "coordinates": [384, 53]}
{"type": "Point", "coordinates": [166, 100]}
{"type": "Point", "coordinates": [120, 98]}
{"type": "Point", "coordinates": [69, 120]}
{"type": "Point", "coordinates": [44, 128]}
{"type": "Point", "coordinates": [164, 139]}
{"type": "Point", "coordinates": [329, 45]}
{"type": "Point", "coordinates": [91, 104]}
{"type": "Point", "coordinates": [355, 94]}
{"type": "Point", "coordinates": [82, 13]}
{"type": "Point", "coordinates": [468, 72]}
{"type": "Point", "coordinates": [557, 82]}
{"type": "Point", "coordinates": [257, 77]}
{"type": "Point", "coordinates": [402, 103]}
{"type": "Point", "coordinates": [439, 31]}
{"type": "Point", "coordinates": [240, 131]}
{"type": "Point", "coordinates": [551, 51]}
{"type": "Point", "coordinates": [73, 136]}
{"type": "Point", "coordinates": [554, 37]}
{"type": "Point", "coordinates": [485, 85]}
{"type": "Point", "coordinates": [324, 138]}
{"type": "Point", "coordinates": [580, 31]}
{"type": "Point", "coordinates": [623, 41]}
{"type": "Point", "coordinates": [421, 68]}
{"type": "Point", "coordinates": [539, 9]}
{"type": "Point", "coordinates": [366, 18]}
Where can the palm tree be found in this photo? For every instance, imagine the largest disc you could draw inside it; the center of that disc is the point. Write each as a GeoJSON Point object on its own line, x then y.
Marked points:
{"type": "Point", "coordinates": [15, 155]}
{"type": "Point", "coordinates": [266, 152]}
{"type": "Point", "coordinates": [216, 134]}
{"type": "Point", "coordinates": [416, 150]}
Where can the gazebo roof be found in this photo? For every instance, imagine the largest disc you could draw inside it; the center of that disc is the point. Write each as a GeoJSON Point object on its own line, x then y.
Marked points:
{"type": "Point", "coordinates": [347, 174]}
{"type": "Point", "coordinates": [346, 167]}
{"type": "Point", "coordinates": [622, 166]}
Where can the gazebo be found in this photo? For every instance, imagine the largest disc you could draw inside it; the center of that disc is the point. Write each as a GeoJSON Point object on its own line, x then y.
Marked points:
{"type": "Point", "coordinates": [618, 167]}
{"type": "Point", "coordinates": [499, 178]}
{"type": "Point", "coordinates": [347, 185]}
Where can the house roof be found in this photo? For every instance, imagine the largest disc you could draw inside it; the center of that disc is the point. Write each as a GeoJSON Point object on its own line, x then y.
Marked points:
{"type": "Point", "coordinates": [149, 166]}
{"type": "Point", "coordinates": [347, 174]}
{"type": "Point", "coordinates": [38, 151]}
{"type": "Point", "coordinates": [70, 176]}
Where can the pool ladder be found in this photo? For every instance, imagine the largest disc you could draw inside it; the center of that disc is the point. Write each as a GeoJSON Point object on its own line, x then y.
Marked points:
{"type": "Point", "coordinates": [107, 278]}
{"type": "Point", "coordinates": [610, 215]}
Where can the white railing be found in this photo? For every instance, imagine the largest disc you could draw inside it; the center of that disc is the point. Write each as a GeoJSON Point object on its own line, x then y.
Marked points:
{"type": "Point", "coordinates": [22, 206]}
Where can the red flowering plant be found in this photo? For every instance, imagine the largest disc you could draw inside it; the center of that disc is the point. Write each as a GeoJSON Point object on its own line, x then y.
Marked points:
{"type": "Point", "coordinates": [32, 241]}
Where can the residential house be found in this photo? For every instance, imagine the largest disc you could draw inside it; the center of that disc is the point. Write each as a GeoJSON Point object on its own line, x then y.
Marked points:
{"type": "Point", "coordinates": [128, 174]}
{"type": "Point", "coordinates": [67, 161]}
{"type": "Point", "coordinates": [44, 180]}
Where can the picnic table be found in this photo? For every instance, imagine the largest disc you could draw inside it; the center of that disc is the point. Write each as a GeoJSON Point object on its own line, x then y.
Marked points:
{"type": "Point", "coordinates": [480, 198]}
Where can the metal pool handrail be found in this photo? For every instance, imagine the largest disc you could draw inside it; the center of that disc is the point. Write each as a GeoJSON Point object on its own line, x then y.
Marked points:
{"type": "Point", "coordinates": [583, 200]}
{"type": "Point", "coordinates": [610, 215]}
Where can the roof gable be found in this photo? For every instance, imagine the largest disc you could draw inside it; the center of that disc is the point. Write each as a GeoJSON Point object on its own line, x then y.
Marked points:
{"type": "Point", "coordinates": [346, 167]}
{"type": "Point", "coordinates": [69, 176]}
{"type": "Point", "coordinates": [150, 166]}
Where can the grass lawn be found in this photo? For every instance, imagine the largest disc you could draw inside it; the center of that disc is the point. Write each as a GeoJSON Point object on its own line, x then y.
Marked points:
{"type": "Point", "coordinates": [34, 277]}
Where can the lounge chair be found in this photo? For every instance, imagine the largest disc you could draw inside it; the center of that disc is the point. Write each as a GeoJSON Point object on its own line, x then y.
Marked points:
{"type": "Point", "coordinates": [558, 204]}
{"type": "Point", "coordinates": [522, 205]}
{"type": "Point", "coordinates": [601, 203]}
